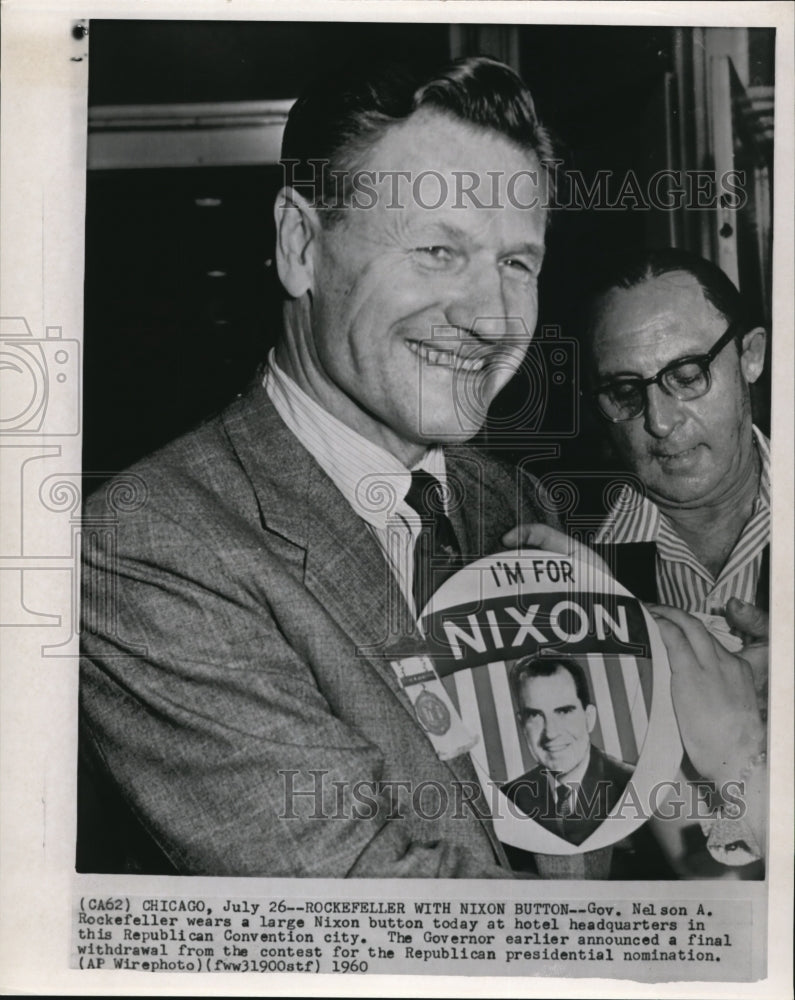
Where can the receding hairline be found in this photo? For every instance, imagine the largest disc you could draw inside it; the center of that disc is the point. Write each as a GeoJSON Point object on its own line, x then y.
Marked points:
{"type": "Point", "coordinates": [600, 303]}
{"type": "Point", "coordinates": [633, 268]}
{"type": "Point", "coordinates": [339, 119]}
{"type": "Point", "coordinates": [354, 154]}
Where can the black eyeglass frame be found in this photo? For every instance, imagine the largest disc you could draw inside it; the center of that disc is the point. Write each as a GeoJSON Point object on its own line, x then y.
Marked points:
{"type": "Point", "coordinates": [704, 361]}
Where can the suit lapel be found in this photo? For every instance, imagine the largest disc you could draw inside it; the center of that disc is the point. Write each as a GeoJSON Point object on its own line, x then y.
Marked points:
{"type": "Point", "coordinates": [475, 512]}
{"type": "Point", "coordinates": [593, 773]}
{"type": "Point", "coordinates": [299, 502]}
{"type": "Point", "coordinates": [344, 569]}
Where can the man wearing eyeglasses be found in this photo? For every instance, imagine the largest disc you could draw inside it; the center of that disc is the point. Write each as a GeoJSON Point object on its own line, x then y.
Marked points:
{"type": "Point", "coordinates": [673, 355]}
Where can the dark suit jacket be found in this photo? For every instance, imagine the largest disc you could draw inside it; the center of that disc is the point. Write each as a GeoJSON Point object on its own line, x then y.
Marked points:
{"type": "Point", "coordinates": [602, 784]}
{"type": "Point", "coordinates": [637, 856]}
{"type": "Point", "coordinates": [236, 617]}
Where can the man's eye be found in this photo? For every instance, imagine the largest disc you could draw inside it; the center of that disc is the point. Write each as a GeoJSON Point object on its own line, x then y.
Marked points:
{"type": "Point", "coordinates": [436, 254]}
{"type": "Point", "coordinates": [623, 391]}
{"type": "Point", "coordinates": [515, 264]}
{"type": "Point", "coordinates": [686, 376]}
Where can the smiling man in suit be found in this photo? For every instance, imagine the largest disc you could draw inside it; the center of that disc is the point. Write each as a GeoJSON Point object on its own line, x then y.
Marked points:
{"type": "Point", "coordinates": [575, 785]}
{"type": "Point", "coordinates": [237, 699]}
{"type": "Point", "coordinates": [673, 353]}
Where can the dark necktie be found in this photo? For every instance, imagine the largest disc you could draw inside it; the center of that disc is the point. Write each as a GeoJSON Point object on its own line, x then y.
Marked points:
{"type": "Point", "coordinates": [436, 550]}
{"type": "Point", "coordinates": [564, 803]}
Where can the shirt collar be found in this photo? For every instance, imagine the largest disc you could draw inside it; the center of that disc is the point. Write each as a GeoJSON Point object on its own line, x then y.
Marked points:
{"type": "Point", "coordinates": [632, 518]}
{"type": "Point", "coordinates": [370, 478]}
{"type": "Point", "coordinates": [763, 448]}
{"type": "Point", "coordinates": [635, 518]}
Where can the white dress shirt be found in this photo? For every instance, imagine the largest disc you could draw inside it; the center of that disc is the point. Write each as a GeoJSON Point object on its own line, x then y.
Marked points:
{"type": "Point", "coordinates": [370, 478]}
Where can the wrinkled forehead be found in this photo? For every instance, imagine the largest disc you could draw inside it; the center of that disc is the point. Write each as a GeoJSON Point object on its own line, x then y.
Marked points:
{"type": "Point", "coordinates": [445, 161]}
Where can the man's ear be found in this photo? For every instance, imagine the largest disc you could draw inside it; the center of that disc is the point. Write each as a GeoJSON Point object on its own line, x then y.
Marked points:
{"type": "Point", "coordinates": [296, 232]}
{"type": "Point", "coordinates": [752, 356]}
{"type": "Point", "coordinates": [590, 717]}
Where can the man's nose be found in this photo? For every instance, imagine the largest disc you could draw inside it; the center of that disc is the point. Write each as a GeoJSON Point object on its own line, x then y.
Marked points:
{"type": "Point", "coordinates": [481, 305]}
{"type": "Point", "coordinates": [663, 412]}
{"type": "Point", "coordinates": [551, 729]}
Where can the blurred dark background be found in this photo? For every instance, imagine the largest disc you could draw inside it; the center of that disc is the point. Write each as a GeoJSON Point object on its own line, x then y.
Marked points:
{"type": "Point", "coordinates": [184, 125]}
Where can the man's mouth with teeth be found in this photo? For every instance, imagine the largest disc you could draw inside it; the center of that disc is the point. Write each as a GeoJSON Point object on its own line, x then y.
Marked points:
{"type": "Point", "coordinates": [445, 358]}
{"type": "Point", "coordinates": [672, 456]}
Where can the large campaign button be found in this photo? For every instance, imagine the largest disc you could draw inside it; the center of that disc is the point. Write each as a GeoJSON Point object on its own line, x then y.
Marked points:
{"type": "Point", "coordinates": [563, 678]}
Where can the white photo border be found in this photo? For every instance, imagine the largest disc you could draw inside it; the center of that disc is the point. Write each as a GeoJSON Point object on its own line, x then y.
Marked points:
{"type": "Point", "coordinates": [43, 146]}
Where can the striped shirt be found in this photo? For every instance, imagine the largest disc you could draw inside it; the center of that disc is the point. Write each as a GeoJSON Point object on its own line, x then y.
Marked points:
{"type": "Point", "coordinates": [682, 581]}
{"type": "Point", "coordinates": [370, 478]}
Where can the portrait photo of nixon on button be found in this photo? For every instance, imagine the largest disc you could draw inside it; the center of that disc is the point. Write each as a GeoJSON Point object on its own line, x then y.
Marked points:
{"type": "Point", "coordinates": [575, 784]}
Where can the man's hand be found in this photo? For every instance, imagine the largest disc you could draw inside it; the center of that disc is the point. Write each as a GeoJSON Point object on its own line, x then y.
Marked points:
{"type": "Point", "coordinates": [753, 626]}
{"type": "Point", "coordinates": [713, 696]}
{"type": "Point", "coordinates": [541, 536]}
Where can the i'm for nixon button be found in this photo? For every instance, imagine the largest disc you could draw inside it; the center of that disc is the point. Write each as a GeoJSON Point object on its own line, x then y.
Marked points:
{"type": "Point", "coordinates": [563, 679]}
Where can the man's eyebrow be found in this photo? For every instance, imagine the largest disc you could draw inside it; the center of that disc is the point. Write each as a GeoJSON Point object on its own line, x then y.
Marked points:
{"type": "Point", "coordinates": [436, 228]}
{"type": "Point", "coordinates": [613, 376]}
{"type": "Point", "coordinates": [558, 708]}
{"type": "Point", "coordinates": [535, 250]}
